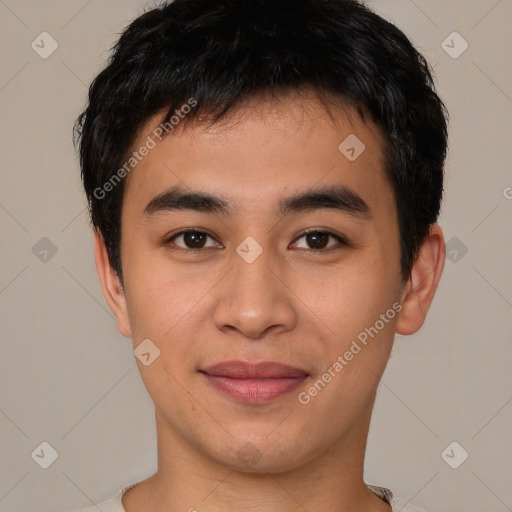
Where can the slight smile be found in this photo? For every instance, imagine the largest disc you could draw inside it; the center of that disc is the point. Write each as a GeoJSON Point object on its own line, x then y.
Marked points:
{"type": "Point", "coordinates": [254, 383]}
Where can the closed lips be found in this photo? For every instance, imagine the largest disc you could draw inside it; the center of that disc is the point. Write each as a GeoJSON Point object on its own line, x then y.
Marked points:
{"type": "Point", "coordinates": [263, 370]}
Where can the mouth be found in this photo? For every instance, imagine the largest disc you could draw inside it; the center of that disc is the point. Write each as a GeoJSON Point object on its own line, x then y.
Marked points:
{"type": "Point", "coordinates": [254, 383]}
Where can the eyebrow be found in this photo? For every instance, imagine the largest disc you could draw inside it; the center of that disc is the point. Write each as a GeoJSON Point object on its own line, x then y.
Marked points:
{"type": "Point", "coordinates": [338, 197]}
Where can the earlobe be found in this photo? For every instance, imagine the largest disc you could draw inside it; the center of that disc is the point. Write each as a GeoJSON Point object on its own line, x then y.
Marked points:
{"type": "Point", "coordinates": [111, 285]}
{"type": "Point", "coordinates": [419, 291]}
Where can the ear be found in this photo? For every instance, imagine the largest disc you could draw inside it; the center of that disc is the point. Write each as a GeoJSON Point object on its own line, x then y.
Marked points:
{"type": "Point", "coordinates": [111, 285]}
{"type": "Point", "coordinates": [422, 284]}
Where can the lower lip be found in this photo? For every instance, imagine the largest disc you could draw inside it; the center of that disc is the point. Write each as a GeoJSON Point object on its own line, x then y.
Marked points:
{"type": "Point", "coordinates": [255, 390]}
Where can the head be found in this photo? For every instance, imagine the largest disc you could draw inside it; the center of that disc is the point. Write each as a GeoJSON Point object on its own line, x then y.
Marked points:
{"type": "Point", "coordinates": [265, 119]}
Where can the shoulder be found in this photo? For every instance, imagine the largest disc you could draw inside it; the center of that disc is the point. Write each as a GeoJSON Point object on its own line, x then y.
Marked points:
{"type": "Point", "coordinates": [112, 504]}
{"type": "Point", "coordinates": [397, 504]}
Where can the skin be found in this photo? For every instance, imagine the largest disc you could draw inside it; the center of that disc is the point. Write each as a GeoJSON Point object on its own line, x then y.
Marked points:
{"type": "Point", "coordinates": [294, 304]}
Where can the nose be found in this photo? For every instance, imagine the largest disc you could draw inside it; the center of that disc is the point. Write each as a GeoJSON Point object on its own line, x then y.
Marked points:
{"type": "Point", "coordinates": [255, 299]}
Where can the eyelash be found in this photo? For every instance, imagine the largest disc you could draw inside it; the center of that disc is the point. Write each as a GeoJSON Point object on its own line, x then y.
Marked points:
{"type": "Point", "coordinates": [339, 238]}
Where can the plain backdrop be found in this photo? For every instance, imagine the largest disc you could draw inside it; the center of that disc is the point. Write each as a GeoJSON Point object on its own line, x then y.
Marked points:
{"type": "Point", "coordinates": [68, 378]}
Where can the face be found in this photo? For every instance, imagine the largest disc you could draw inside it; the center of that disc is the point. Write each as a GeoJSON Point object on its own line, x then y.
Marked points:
{"type": "Point", "coordinates": [293, 256]}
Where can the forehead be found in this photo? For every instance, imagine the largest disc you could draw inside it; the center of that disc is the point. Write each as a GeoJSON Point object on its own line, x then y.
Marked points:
{"type": "Point", "coordinates": [262, 149]}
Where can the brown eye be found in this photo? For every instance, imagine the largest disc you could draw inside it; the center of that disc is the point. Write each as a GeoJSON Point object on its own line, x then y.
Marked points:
{"type": "Point", "coordinates": [191, 239]}
{"type": "Point", "coordinates": [318, 240]}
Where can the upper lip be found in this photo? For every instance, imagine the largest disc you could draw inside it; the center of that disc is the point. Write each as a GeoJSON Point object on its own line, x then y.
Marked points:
{"type": "Point", "coordinates": [246, 370]}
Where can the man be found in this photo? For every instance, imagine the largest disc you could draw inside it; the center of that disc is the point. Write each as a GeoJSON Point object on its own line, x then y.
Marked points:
{"type": "Point", "coordinates": [264, 180]}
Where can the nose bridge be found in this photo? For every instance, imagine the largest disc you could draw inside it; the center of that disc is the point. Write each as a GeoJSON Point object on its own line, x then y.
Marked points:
{"type": "Point", "coordinates": [253, 299]}
{"type": "Point", "coordinates": [251, 270]}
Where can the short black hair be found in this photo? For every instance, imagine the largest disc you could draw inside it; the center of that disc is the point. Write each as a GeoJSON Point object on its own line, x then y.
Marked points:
{"type": "Point", "coordinates": [223, 52]}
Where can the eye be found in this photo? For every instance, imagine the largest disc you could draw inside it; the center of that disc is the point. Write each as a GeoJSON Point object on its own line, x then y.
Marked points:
{"type": "Point", "coordinates": [316, 240]}
{"type": "Point", "coordinates": [192, 239]}
{"type": "Point", "coordinates": [319, 240]}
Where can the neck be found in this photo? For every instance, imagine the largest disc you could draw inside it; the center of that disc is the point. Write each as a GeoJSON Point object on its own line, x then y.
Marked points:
{"type": "Point", "coordinates": [188, 480]}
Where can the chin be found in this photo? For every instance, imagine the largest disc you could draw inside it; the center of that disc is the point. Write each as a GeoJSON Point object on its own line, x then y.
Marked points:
{"type": "Point", "coordinates": [262, 456]}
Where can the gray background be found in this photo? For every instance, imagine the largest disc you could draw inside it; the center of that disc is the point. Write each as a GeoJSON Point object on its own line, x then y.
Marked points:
{"type": "Point", "coordinates": [69, 378]}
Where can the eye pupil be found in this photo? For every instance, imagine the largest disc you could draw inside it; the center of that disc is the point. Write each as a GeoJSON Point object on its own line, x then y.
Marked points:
{"type": "Point", "coordinates": [193, 239]}
{"type": "Point", "coordinates": [318, 239]}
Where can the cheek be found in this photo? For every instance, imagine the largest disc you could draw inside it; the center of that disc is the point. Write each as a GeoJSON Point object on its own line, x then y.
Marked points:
{"type": "Point", "coordinates": [155, 299]}
{"type": "Point", "coordinates": [358, 309]}
{"type": "Point", "coordinates": [168, 306]}
{"type": "Point", "coordinates": [353, 299]}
